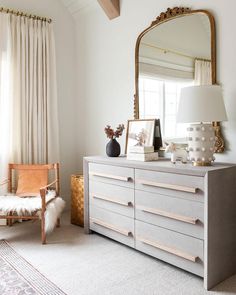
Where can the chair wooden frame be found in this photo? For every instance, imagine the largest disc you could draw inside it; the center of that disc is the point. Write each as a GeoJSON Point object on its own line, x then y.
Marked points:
{"type": "Point", "coordinates": [42, 191]}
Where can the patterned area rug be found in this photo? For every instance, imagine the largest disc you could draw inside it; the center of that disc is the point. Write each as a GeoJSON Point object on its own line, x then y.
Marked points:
{"type": "Point", "coordinates": [18, 277]}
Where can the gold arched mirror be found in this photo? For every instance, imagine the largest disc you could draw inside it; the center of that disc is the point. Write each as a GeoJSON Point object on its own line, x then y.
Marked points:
{"type": "Point", "coordinates": [176, 50]}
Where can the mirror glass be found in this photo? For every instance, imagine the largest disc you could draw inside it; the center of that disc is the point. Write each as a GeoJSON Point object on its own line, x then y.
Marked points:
{"type": "Point", "coordinates": [171, 55]}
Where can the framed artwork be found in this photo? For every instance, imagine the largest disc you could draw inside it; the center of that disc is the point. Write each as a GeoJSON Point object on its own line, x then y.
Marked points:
{"type": "Point", "coordinates": [143, 132]}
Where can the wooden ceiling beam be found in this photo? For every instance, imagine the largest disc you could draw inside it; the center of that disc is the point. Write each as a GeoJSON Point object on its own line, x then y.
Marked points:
{"type": "Point", "coordinates": [111, 7]}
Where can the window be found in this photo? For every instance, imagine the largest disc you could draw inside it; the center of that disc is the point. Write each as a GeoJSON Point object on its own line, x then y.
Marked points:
{"type": "Point", "coordinates": [159, 98]}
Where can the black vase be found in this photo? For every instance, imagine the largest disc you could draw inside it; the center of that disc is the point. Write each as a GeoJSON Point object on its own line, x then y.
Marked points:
{"type": "Point", "coordinates": [113, 148]}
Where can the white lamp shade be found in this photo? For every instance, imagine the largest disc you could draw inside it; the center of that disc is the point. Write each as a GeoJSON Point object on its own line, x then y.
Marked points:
{"type": "Point", "coordinates": [201, 104]}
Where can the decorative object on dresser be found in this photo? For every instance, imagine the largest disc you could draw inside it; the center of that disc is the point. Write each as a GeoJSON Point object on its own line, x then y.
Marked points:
{"type": "Point", "coordinates": [142, 153]}
{"type": "Point", "coordinates": [179, 214]}
{"type": "Point", "coordinates": [145, 157]}
{"type": "Point", "coordinates": [201, 104]}
{"type": "Point", "coordinates": [113, 147]}
{"type": "Point", "coordinates": [178, 152]}
{"type": "Point", "coordinates": [139, 149]}
{"type": "Point", "coordinates": [157, 135]}
{"type": "Point", "coordinates": [77, 199]}
{"type": "Point", "coordinates": [142, 133]}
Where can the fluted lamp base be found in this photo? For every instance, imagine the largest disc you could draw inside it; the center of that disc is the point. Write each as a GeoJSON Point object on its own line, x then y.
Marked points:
{"type": "Point", "coordinates": [201, 142]}
{"type": "Point", "coordinates": [201, 163]}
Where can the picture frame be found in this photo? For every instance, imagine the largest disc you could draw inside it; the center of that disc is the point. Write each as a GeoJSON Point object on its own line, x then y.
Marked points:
{"type": "Point", "coordinates": [144, 132]}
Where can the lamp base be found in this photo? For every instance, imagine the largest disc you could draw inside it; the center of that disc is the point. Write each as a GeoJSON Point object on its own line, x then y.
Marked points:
{"type": "Point", "coordinates": [201, 163]}
{"type": "Point", "coordinates": [201, 142]}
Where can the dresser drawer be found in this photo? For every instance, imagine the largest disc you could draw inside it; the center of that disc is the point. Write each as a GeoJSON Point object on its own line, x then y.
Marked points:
{"type": "Point", "coordinates": [183, 216]}
{"type": "Point", "coordinates": [112, 197]}
{"type": "Point", "coordinates": [178, 185]}
{"type": "Point", "coordinates": [121, 176]}
{"type": "Point", "coordinates": [112, 225]}
{"type": "Point", "coordinates": [178, 249]}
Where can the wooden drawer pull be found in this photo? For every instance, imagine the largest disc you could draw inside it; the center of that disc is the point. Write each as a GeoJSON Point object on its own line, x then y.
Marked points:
{"type": "Point", "coordinates": [116, 177]}
{"type": "Point", "coordinates": [111, 227]}
{"type": "Point", "coordinates": [169, 250]}
{"type": "Point", "coordinates": [170, 215]}
{"type": "Point", "coordinates": [104, 198]}
{"type": "Point", "coordinates": [176, 187]}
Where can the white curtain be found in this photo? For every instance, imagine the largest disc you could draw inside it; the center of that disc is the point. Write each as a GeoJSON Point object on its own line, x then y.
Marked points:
{"type": "Point", "coordinates": [6, 101]}
{"type": "Point", "coordinates": [203, 72]}
{"type": "Point", "coordinates": [28, 102]}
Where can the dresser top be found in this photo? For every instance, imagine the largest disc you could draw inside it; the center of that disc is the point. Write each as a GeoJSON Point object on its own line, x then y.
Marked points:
{"type": "Point", "coordinates": [163, 165]}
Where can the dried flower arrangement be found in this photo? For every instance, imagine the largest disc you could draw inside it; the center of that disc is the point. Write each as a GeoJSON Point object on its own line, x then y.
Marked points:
{"type": "Point", "coordinates": [141, 137]}
{"type": "Point", "coordinates": [114, 134]}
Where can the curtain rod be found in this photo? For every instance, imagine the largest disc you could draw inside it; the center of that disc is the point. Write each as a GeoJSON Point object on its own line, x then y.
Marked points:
{"type": "Point", "coordinates": [20, 13]}
{"type": "Point", "coordinates": [174, 52]}
{"type": "Point", "coordinates": [168, 50]}
{"type": "Point", "coordinates": [202, 59]}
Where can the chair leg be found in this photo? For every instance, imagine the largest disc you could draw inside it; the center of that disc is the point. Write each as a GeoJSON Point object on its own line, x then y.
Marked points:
{"type": "Point", "coordinates": [10, 221]}
{"type": "Point", "coordinates": [43, 234]}
{"type": "Point", "coordinates": [58, 222]}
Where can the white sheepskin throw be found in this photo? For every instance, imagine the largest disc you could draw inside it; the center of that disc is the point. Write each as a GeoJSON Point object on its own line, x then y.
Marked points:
{"type": "Point", "coordinates": [27, 206]}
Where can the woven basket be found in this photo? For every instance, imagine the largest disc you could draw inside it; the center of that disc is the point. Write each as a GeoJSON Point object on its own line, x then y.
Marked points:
{"type": "Point", "coordinates": [77, 200]}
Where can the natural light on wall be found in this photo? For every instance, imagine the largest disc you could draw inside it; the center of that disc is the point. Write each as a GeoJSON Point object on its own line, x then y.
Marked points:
{"type": "Point", "coordinates": [159, 99]}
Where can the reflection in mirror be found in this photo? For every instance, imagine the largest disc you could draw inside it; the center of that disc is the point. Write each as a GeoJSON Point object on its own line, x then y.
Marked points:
{"type": "Point", "coordinates": [172, 55]}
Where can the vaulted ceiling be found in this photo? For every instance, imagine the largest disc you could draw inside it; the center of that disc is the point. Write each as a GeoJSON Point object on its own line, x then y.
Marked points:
{"type": "Point", "coordinates": [76, 6]}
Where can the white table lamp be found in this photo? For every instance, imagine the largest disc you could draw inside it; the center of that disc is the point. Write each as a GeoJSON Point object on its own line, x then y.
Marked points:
{"type": "Point", "coordinates": [200, 104]}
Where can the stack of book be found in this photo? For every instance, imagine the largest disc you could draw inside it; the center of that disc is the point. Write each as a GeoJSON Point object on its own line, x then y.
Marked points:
{"type": "Point", "coordinates": [142, 153]}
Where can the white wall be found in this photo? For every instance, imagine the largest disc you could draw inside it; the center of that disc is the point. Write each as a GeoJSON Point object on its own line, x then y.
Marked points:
{"type": "Point", "coordinates": [64, 29]}
{"type": "Point", "coordinates": [105, 51]}
{"type": "Point", "coordinates": [95, 69]}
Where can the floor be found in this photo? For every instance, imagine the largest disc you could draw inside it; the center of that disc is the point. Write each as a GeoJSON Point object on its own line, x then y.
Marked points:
{"type": "Point", "coordinates": [94, 265]}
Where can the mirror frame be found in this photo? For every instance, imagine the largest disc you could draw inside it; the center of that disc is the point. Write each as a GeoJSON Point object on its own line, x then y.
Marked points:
{"type": "Point", "coordinates": [171, 14]}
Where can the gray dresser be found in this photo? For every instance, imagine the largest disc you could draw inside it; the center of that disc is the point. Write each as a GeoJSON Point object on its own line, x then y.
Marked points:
{"type": "Point", "coordinates": [181, 214]}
